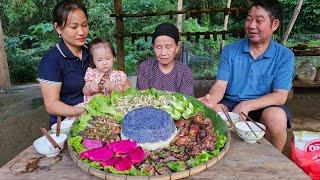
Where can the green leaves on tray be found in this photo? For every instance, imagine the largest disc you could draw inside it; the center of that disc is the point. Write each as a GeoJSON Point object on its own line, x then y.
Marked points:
{"type": "Point", "coordinates": [180, 106]}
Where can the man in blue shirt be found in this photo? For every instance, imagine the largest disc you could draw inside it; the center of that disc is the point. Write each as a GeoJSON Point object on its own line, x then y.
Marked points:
{"type": "Point", "coordinates": [255, 73]}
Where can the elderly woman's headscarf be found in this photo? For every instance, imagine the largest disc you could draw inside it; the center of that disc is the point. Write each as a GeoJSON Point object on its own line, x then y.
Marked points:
{"type": "Point", "coordinates": [166, 29]}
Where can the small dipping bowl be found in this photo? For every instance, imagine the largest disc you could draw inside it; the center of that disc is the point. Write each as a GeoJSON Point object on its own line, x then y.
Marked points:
{"type": "Point", "coordinates": [64, 128]}
{"type": "Point", "coordinates": [43, 146]}
{"type": "Point", "coordinates": [246, 134]}
{"type": "Point", "coordinates": [234, 117]}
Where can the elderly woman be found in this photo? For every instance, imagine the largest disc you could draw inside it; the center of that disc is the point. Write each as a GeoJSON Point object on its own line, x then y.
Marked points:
{"type": "Point", "coordinates": [164, 72]}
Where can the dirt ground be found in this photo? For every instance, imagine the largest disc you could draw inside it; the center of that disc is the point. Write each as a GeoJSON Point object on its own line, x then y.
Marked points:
{"type": "Point", "coordinates": [22, 114]}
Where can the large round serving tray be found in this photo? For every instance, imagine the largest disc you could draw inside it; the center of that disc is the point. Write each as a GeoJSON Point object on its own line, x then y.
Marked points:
{"type": "Point", "coordinates": [220, 128]}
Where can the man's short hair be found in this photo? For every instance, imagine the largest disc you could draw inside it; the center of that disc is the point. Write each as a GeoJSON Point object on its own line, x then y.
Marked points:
{"type": "Point", "coordinates": [273, 7]}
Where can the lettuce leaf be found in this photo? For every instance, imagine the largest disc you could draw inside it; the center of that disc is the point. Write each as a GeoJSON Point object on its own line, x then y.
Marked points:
{"type": "Point", "coordinates": [200, 159]}
{"type": "Point", "coordinates": [75, 142]}
{"type": "Point", "coordinates": [101, 105]}
{"type": "Point", "coordinates": [207, 155]}
{"type": "Point", "coordinates": [133, 171]}
{"type": "Point", "coordinates": [80, 124]}
{"type": "Point", "coordinates": [95, 165]}
{"type": "Point", "coordinates": [131, 91]}
{"type": "Point", "coordinates": [177, 165]}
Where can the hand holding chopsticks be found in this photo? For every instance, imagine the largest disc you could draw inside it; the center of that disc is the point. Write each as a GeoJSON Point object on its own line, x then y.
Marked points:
{"type": "Point", "coordinates": [50, 139]}
{"type": "Point", "coordinates": [253, 121]}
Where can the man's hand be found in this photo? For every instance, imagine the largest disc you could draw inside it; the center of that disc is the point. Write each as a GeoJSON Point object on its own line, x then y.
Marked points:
{"type": "Point", "coordinates": [207, 100]}
{"type": "Point", "coordinates": [245, 107]}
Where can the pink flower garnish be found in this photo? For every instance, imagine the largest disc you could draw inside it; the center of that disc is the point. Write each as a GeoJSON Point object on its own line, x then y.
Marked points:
{"type": "Point", "coordinates": [122, 146]}
{"type": "Point", "coordinates": [111, 162]}
{"type": "Point", "coordinates": [137, 155]}
{"type": "Point", "coordinates": [121, 155]}
{"type": "Point", "coordinates": [91, 143]}
{"type": "Point", "coordinates": [124, 164]}
{"type": "Point", "coordinates": [98, 154]}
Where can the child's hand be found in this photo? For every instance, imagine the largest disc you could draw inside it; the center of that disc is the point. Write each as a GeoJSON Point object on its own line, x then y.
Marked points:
{"type": "Point", "coordinates": [118, 88]}
{"type": "Point", "coordinates": [94, 88]}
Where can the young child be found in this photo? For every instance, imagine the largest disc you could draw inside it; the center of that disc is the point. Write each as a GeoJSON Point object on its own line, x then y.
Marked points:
{"type": "Point", "coordinates": [100, 76]}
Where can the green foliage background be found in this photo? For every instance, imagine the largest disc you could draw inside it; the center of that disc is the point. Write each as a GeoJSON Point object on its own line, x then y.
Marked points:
{"type": "Point", "coordinates": [29, 32]}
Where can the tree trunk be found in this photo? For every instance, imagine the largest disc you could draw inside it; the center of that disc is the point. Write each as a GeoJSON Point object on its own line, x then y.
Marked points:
{"type": "Point", "coordinates": [179, 19]}
{"type": "Point", "coordinates": [4, 70]}
{"type": "Point", "coordinates": [119, 35]}
{"type": "Point", "coordinates": [225, 24]}
{"type": "Point", "coordinates": [292, 21]}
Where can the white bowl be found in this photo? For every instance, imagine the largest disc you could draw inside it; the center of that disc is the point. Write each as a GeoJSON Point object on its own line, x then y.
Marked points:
{"type": "Point", "coordinates": [65, 127]}
{"type": "Point", "coordinates": [246, 134]}
{"type": "Point", "coordinates": [43, 146]}
{"type": "Point", "coordinates": [234, 117]}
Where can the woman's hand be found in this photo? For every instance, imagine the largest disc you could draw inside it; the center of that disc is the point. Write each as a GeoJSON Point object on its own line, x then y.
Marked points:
{"type": "Point", "coordinates": [53, 104]}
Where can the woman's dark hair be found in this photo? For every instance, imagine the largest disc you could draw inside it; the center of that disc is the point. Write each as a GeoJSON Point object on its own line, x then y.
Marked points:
{"type": "Point", "coordinates": [95, 43]}
{"type": "Point", "coordinates": [273, 7]}
{"type": "Point", "coordinates": [62, 10]}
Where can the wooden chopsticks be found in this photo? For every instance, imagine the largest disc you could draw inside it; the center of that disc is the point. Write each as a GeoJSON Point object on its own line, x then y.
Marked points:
{"type": "Point", "coordinates": [50, 139]}
{"type": "Point", "coordinates": [253, 121]}
{"type": "Point", "coordinates": [227, 116]}
{"type": "Point", "coordinates": [58, 126]}
{"type": "Point", "coordinates": [251, 128]}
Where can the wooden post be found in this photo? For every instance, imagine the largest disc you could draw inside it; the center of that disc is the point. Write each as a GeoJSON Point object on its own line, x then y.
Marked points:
{"type": "Point", "coordinates": [4, 70]}
{"type": "Point", "coordinates": [225, 24]}
{"type": "Point", "coordinates": [292, 21]}
{"type": "Point", "coordinates": [179, 19]}
{"type": "Point", "coordinates": [119, 34]}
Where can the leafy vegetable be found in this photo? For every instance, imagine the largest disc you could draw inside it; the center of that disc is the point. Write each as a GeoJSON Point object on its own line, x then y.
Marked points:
{"type": "Point", "coordinates": [176, 115]}
{"type": "Point", "coordinates": [205, 156]}
{"type": "Point", "coordinates": [95, 165]}
{"type": "Point", "coordinates": [177, 165]}
{"type": "Point", "coordinates": [101, 105]}
{"type": "Point", "coordinates": [200, 159]}
{"type": "Point", "coordinates": [75, 142]}
{"type": "Point", "coordinates": [133, 171]}
{"type": "Point", "coordinates": [187, 113]}
{"type": "Point", "coordinates": [131, 91]}
{"type": "Point", "coordinates": [80, 124]}
{"type": "Point", "coordinates": [220, 141]}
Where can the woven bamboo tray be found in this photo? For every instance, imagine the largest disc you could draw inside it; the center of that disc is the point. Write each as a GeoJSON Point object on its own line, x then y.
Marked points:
{"type": "Point", "coordinates": [176, 175]}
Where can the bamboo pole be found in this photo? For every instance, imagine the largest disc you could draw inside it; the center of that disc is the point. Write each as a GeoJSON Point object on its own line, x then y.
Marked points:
{"type": "Point", "coordinates": [119, 35]}
{"type": "Point", "coordinates": [225, 24]}
{"type": "Point", "coordinates": [292, 21]}
{"type": "Point", "coordinates": [211, 10]}
{"type": "Point", "coordinates": [4, 70]}
{"type": "Point", "coordinates": [179, 19]}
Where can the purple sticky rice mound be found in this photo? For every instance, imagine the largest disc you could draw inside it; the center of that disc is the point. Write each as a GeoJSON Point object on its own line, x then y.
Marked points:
{"type": "Point", "coordinates": [147, 125]}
